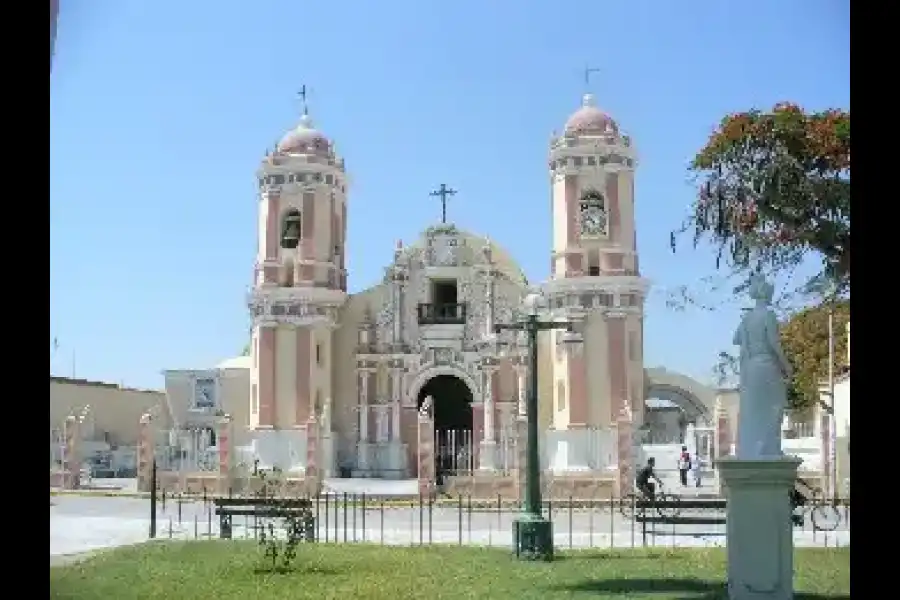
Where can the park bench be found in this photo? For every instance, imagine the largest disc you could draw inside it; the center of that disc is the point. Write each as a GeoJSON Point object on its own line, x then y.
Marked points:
{"type": "Point", "coordinates": [298, 509]}
{"type": "Point", "coordinates": [650, 513]}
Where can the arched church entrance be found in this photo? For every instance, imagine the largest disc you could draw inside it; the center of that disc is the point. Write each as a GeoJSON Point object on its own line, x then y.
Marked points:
{"type": "Point", "coordinates": [453, 424]}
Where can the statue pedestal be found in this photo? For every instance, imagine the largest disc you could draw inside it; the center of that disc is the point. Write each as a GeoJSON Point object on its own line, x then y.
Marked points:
{"type": "Point", "coordinates": [759, 531]}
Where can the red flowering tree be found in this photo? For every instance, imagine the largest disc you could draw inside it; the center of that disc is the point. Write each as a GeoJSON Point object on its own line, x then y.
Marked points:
{"type": "Point", "coordinates": [774, 190]}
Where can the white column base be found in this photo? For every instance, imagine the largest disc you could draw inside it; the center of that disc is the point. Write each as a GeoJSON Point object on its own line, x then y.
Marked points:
{"type": "Point", "coordinates": [327, 456]}
{"type": "Point", "coordinates": [386, 460]}
{"type": "Point", "coordinates": [284, 449]}
{"type": "Point", "coordinates": [760, 538]}
{"type": "Point", "coordinates": [487, 455]}
{"type": "Point", "coordinates": [570, 450]}
{"type": "Point", "coordinates": [395, 462]}
{"type": "Point", "coordinates": [363, 465]}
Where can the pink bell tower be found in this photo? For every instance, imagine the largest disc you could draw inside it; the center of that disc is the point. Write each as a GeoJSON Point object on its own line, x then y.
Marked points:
{"type": "Point", "coordinates": [300, 283]}
{"type": "Point", "coordinates": [595, 278]}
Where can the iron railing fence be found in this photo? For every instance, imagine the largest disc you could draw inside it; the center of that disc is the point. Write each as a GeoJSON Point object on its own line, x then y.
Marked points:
{"type": "Point", "coordinates": [462, 520]}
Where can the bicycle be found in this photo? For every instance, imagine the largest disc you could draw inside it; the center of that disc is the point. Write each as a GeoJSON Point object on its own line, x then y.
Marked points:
{"type": "Point", "coordinates": [823, 514]}
{"type": "Point", "coordinates": [667, 508]}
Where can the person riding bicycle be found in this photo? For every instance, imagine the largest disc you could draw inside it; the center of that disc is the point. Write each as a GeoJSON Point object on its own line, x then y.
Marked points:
{"type": "Point", "coordinates": [800, 494]}
{"type": "Point", "coordinates": [643, 479]}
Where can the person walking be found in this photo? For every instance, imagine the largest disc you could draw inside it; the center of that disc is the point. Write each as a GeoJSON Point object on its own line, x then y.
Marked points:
{"type": "Point", "coordinates": [696, 464]}
{"type": "Point", "coordinates": [684, 465]}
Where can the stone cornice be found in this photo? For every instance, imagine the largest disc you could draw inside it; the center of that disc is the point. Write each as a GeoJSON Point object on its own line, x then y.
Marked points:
{"type": "Point", "coordinates": [607, 283]}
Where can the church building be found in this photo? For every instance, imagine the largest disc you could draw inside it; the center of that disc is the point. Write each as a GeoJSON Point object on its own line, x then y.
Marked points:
{"type": "Point", "coordinates": [360, 366]}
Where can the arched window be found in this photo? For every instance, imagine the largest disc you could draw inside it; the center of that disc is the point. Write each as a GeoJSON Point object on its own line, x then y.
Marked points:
{"type": "Point", "coordinates": [290, 229]}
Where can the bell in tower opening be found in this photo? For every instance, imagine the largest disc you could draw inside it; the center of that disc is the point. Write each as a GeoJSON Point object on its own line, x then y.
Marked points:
{"type": "Point", "coordinates": [290, 229]}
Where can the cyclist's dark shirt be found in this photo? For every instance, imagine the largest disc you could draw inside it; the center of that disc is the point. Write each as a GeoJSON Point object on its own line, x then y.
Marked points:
{"type": "Point", "coordinates": [644, 475]}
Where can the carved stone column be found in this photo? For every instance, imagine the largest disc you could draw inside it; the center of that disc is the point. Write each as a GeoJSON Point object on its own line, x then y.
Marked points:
{"type": "Point", "coordinates": [488, 450]}
{"type": "Point", "coordinates": [425, 470]}
{"type": "Point", "coordinates": [72, 461]}
{"type": "Point", "coordinates": [490, 433]}
{"type": "Point", "coordinates": [624, 452]}
{"type": "Point", "coordinates": [145, 452]}
{"type": "Point", "coordinates": [521, 388]}
{"type": "Point", "coordinates": [487, 447]}
{"type": "Point", "coordinates": [226, 457]}
{"type": "Point", "coordinates": [362, 447]}
{"type": "Point", "coordinates": [396, 391]}
{"type": "Point", "coordinates": [313, 474]}
{"type": "Point", "coordinates": [506, 454]}
{"type": "Point", "coordinates": [392, 458]}
{"type": "Point", "coordinates": [382, 423]}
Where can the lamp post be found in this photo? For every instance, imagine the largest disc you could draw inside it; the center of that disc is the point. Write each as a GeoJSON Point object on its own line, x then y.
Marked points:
{"type": "Point", "coordinates": [532, 533]}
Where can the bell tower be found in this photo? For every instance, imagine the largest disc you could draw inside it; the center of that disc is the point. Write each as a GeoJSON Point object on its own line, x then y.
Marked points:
{"type": "Point", "coordinates": [592, 177]}
{"type": "Point", "coordinates": [300, 282]}
{"type": "Point", "coordinates": [595, 278]}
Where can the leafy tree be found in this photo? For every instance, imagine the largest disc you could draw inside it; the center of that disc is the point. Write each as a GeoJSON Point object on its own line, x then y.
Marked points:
{"type": "Point", "coordinates": [774, 189]}
{"type": "Point", "coordinates": [804, 337]}
{"type": "Point", "coordinates": [246, 350]}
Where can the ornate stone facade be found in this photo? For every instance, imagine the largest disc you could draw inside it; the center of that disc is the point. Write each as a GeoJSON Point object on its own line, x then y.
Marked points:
{"type": "Point", "coordinates": [334, 380]}
{"type": "Point", "coordinates": [433, 315]}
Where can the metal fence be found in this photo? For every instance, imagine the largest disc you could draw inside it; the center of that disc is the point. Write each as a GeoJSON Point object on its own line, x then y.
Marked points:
{"type": "Point", "coordinates": [593, 523]}
{"type": "Point", "coordinates": [187, 450]}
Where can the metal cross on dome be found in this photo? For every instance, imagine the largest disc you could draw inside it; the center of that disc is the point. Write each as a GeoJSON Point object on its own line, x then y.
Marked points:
{"type": "Point", "coordinates": [588, 71]}
{"type": "Point", "coordinates": [302, 95]}
{"type": "Point", "coordinates": [443, 192]}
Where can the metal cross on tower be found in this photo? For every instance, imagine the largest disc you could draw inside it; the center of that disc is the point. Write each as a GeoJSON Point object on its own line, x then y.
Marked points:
{"type": "Point", "coordinates": [302, 95]}
{"type": "Point", "coordinates": [442, 192]}
{"type": "Point", "coordinates": [588, 71]}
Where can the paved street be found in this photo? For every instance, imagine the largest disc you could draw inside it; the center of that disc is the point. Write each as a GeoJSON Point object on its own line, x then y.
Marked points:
{"type": "Point", "coordinates": [81, 523]}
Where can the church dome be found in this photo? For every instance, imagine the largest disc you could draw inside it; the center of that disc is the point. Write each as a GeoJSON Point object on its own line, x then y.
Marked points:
{"type": "Point", "coordinates": [590, 120]}
{"type": "Point", "coordinates": [305, 139]}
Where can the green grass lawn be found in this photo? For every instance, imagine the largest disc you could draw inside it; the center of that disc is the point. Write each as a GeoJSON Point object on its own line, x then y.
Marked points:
{"type": "Point", "coordinates": [231, 571]}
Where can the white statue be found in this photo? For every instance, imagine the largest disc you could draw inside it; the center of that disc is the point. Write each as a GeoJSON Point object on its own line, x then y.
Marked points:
{"type": "Point", "coordinates": [764, 372]}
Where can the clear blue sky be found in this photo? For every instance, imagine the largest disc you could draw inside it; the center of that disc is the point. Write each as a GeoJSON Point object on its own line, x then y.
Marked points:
{"type": "Point", "coordinates": [161, 111]}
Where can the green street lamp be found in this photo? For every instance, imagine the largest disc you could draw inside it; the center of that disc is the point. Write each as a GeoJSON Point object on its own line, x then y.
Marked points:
{"type": "Point", "coordinates": [532, 533]}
